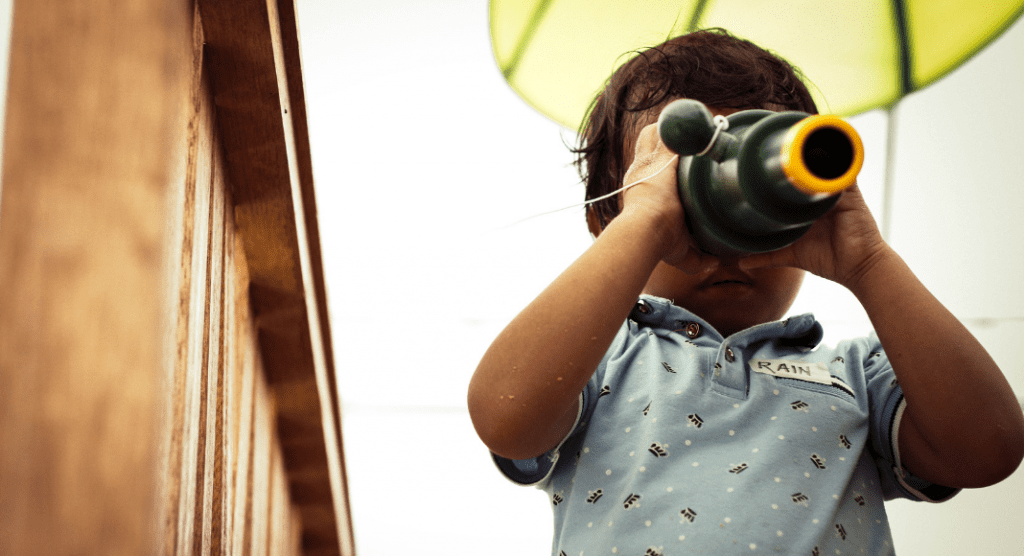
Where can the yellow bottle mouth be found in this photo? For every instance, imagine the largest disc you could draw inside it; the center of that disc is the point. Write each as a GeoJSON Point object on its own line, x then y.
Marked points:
{"type": "Point", "coordinates": [822, 155]}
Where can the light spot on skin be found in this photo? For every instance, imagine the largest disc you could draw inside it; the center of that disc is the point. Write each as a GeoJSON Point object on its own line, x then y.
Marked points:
{"type": "Point", "coordinates": [511, 397]}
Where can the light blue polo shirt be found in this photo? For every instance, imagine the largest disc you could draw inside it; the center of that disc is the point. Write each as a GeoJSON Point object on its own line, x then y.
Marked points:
{"type": "Point", "coordinates": [762, 442]}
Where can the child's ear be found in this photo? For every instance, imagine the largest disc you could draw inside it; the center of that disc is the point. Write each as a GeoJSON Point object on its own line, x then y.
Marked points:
{"type": "Point", "coordinates": [593, 222]}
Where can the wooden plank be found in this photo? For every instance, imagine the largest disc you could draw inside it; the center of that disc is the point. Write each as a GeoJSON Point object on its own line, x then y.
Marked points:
{"type": "Point", "coordinates": [90, 141]}
{"type": "Point", "coordinates": [252, 49]}
{"type": "Point", "coordinates": [183, 196]}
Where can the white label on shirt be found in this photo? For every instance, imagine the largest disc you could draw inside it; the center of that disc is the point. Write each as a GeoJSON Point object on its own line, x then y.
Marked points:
{"type": "Point", "coordinates": [787, 368]}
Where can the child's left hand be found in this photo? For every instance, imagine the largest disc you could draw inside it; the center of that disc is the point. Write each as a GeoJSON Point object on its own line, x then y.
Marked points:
{"type": "Point", "coordinates": [840, 245]}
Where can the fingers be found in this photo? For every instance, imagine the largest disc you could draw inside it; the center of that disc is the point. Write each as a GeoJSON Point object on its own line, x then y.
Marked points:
{"type": "Point", "coordinates": [650, 153]}
{"type": "Point", "coordinates": [692, 260]}
{"type": "Point", "coordinates": [771, 259]}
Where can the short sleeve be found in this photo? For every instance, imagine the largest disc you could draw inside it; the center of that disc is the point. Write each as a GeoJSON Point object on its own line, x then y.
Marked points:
{"type": "Point", "coordinates": [536, 471]}
{"type": "Point", "coordinates": [887, 405]}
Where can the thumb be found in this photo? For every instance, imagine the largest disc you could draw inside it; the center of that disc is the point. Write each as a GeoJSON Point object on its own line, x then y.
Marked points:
{"type": "Point", "coordinates": [771, 259]}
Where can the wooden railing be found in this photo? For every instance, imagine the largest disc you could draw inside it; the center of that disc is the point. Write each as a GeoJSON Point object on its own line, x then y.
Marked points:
{"type": "Point", "coordinates": [166, 378]}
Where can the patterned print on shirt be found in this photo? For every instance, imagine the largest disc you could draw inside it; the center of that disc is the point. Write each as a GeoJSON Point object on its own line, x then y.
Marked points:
{"type": "Point", "coordinates": [739, 469]}
{"type": "Point", "coordinates": [648, 408]}
{"type": "Point", "coordinates": [800, 498]}
{"type": "Point", "coordinates": [695, 420]}
{"type": "Point", "coordinates": [605, 390]}
{"type": "Point", "coordinates": [668, 367]}
{"type": "Point", "coordinates": [844, 442]}
{"type": "Point", "coordinates": [594, 496]}
{"type": "Point", "coordinates": [800, 405]}
{"type": "Point", "coordinates": [658, 449]}
{"type": "Point", "coordinates": [631, 501]}
{"type": "Point", "coordinates": [818, 461]}
{"type": "Point", "coordinates": [688, 514]}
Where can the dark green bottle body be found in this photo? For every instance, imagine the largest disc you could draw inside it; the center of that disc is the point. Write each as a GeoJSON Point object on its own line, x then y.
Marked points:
{"type": "Point", "coordinates": [738, 196]}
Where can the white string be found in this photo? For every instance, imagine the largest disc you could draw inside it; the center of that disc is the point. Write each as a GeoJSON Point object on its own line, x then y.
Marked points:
{"type": "Point", "coordinates": [602, 197]}
{"type": "Point", "coordinates": [721, 124]}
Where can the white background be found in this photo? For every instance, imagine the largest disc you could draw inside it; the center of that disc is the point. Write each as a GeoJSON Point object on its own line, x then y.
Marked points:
{"type": "Point", "coordinates": [423, 157]}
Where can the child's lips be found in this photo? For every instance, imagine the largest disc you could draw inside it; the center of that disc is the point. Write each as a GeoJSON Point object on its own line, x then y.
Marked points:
{"type": "Point", "coordinates": [728, 279]}
{"type": "Point", "coordinates": [728, 288]}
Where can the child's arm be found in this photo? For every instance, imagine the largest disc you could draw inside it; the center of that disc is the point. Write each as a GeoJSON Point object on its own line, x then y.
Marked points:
{"type": "Point", "coordinates": [523, 397]}
{"type": "Point", "coordinates": [962, 426]}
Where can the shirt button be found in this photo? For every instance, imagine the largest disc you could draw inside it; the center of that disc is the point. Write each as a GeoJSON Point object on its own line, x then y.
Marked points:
{"type": "Point", "coordinates": [729, 355]}
{"type": "Point", "coordinates": [693, 330]}
{"type": "Point", "coordinates": [643, 307]}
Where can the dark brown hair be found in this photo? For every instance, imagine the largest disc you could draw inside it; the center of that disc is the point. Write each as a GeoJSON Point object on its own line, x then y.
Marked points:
{"type": "Point", "coordinates": [711, 66]}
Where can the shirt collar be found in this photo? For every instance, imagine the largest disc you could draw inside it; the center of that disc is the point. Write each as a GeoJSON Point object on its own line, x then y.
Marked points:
{"type": "Point", "coordinates": [800, 331]}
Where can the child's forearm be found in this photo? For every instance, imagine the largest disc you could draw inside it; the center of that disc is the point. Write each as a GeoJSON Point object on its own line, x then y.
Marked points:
{"type": "Point", "coordinates": [523, 397]}
{"type": "Point", "coordinates": [962, 426]}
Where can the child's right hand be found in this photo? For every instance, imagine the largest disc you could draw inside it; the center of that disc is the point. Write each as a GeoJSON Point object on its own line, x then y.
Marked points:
{"type": "Point", "coordinates": [657, 199]}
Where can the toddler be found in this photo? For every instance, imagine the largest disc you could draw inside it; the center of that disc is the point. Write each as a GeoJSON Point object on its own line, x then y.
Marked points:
{"type": "Point", "coordinates": [652, 391]}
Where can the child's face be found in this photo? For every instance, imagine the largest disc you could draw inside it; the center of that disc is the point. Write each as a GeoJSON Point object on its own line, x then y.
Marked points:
{"type": "Point", "coordinates": [728, 298]}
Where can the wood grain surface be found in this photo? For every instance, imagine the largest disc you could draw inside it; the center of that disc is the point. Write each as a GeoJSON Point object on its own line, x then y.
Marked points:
{"type": "Point", "coordinates": [166, 377]}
